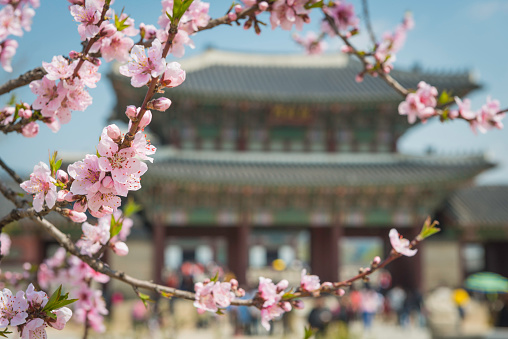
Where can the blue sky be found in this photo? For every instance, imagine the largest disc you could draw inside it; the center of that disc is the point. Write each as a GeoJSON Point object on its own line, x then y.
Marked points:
{"type": "Point", "coordinates": [448, 36]}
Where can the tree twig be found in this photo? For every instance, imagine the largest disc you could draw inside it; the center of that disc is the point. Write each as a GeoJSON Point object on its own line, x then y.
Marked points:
{"type": "Point", "coordinates": [23, 80]}
{"type": "Point", "coordinates": [368, 24]}
{"type": "Point", "coordinates": [11, 172]}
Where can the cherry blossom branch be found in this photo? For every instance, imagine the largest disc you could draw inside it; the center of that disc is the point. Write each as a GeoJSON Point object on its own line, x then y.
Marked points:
{"type": "Point", "coordinates": [23, 80]}
{"type": "Point", "coordinates": [361, 56]}
{"type": "Point", "coordinates": [91, 41]}
{"type": "Point", "coordinates": [152, 89]}
{"type": "Point", "coordinates": [12, 196]}
{"type": "Point", "coordinates": [367, 21]}
{"type": "Point", "coordinates": [225, 20]}
{"type": "Point", "coordinates": [13, 174]}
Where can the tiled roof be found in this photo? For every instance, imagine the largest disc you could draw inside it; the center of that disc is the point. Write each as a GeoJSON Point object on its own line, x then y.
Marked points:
{"type": "Point", "coordinates": [295, 78]}
{"type": "Point", "coordinates": [479, 206]}
{"type": "Point", "coordinates": [316, 170]}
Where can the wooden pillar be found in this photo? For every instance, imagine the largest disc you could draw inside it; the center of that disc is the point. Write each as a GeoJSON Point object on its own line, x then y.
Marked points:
{"type": "Point", "coordinates": [238, 252]}
{"type": "Point", "coordinates": [159, 239]}
{"type": "Point", "coordinates": [324, 257]}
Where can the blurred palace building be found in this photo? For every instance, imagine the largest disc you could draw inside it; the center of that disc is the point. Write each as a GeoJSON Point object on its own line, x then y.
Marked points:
{"type": "Point", "coordinates": [265, 157]}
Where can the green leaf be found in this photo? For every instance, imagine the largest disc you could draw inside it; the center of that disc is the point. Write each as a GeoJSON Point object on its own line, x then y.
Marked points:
{"type": "Point", "coordinates": [144, 298]}
{"type": "Point", "coordinates": [308, 332]}
{"type": "Point", "coordinates": [445, 98]}
{"type": "Point", "coordinates": [12, 100]}
{"type": "Point", "coordinates": [53, 299]}
{"type": "Point", "coordinates": [219, 312]}
{"type": "Point", "coordinates": [116, 226]}
{"type": "Point", "coordinates": [131, 208]}
{"type": "Point", "coordinates": [429, 229]}
{"type": "Point", "coordinates": [318, 4]}
{"type": "Point", "coordinates": [120, 24]}
{"type": "Point", "coordinates": [167, 295]}
{"type": "Point", "coordinates": [288, 295]}
{"type": "Point", "coordinates": [216, 277]}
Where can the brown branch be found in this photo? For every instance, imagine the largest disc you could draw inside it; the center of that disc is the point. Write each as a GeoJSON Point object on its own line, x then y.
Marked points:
{"type": "Point", "coordinates": [13, 174]}
{"type": "Point", "coordinates": [386, 77]}
{"type": "Point", "coordinates": [224, 20]}
{"type": "Point", "coordinates": [12, 196]}
{"type": "Point", "coordinates": [23, 80]}
{"type": "Point", "coordinates": [366, 16]}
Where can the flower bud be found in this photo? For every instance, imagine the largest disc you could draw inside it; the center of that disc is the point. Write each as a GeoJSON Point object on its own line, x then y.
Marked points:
{"type": "Point", "coordinates": [286, 306]}
{"type": "Point", "coordinates": [74, 55]}
{"type": "Point", "coordinates": [340, 292]}
{"type": "Point", "coordinates": [77, 216]}
{"type": "Point", "coordinates": [327, 285]}
{"type": "Point", "coordinates": [234, 283]}
{"type": "Point", "coordinates": [27, 266]}
{"type": "Point", "coordinates": [174, 75]}
{"type": "Point", "coordinates": [232, 16]}
{"type": "Point", "coordinates": [346, 49]}
{"type": "Point", "coordinates": [238, 8]}
{"type": "Point", "coordinates": [108, 182]}
{"type": "Point", "coordinates": [30, 130]}
{"type": "Point", "coordinates": [298, 304]}
{"type": "Point", "coordinates": [131, 112]}
{"type": "Point", "coordinates": [240, 292]}
{"type": "Point", "coordinates": [95, 61]}
{"type": "Point", "coordinates": [145, 121]}
{"type": "Point", "coordinates": [160, 104]}
{"type": "Point", "coordinates": [376, 261]}
{"type": "Point", "coordinates": [114, 132]}
{"type": "Point", "coordinates": [120, 248]}
{"type": "Point", "coordinates": [25, 113]}
{"type": "Point", "coordinates": [359, 77]}
{"type": "Point", "coordinates": [263, 6]}
{"type": "Point", "coordinates": [62, 176]}
{"type": "Point", "coordinates": [247, 24]}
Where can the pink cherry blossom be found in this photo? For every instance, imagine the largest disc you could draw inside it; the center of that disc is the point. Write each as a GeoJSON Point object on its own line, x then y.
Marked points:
{"type": "Point", "coordinates": [87, 175]}
{"type": "Point", "coordinates": [343, 15]}
{"type": "Point", "coordinates": [63, 315]}
{"type": "Point", "coordinates": [88, 74]}
{"type": "Point", "coordinates": [58, 68]}
{"type": "Point", "coordinates": [488, 117]}
{"type": "Point", "coordinates": [222, 294]}
{"type": "Point", "coordinates": [141, 68]}
{"type": "Point", "coordinates": [286, 13]}
{"type": "Point", "coordinates": [48, 96]}
{"type": "Point", "coordinates": [88, 15]}
{"type": "Point", "coordinates": [311, 42]}
{"type": "Point", "coordinates": [12, 308]}
{"type": "Point", "coordinates": [309, 282]}
{"type": "Point", "coordinates": [36, 299]}
{"type": "Point", "coordinates": [94, 237]}
{"type": "Point", "coordinates": [34, 329]}
{"type": "Point", "coordinates": [464, 109]}
{"type": "Point", "coordinates": [116, 47]}
{"type": "Point", "coordinates": [7, 52]}
{"type": "Point", "coordinates": [10, 22]}
{"type": "Point", "coordinates": [42, 185]}
{"type": "Point", "coordinates": [5, 244]}
{"type": "Point", "coordinates": [269, 313]}
{"type": "Point", "coordinates": [30, 130]}
{"type": "Point", "coordinates": [401, 245]}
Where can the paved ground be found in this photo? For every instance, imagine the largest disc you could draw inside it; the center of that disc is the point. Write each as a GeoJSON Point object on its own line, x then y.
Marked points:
{"type": "Point", "coordinates": [379, 331]}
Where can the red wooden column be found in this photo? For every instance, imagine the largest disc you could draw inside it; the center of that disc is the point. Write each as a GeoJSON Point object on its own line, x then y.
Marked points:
{"type": "Point", "coordinates": [324, 252]}
{"type": "Point", "coordinates": [159, 239]}
{"type": "Point", "coordinates": [238, 251]}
